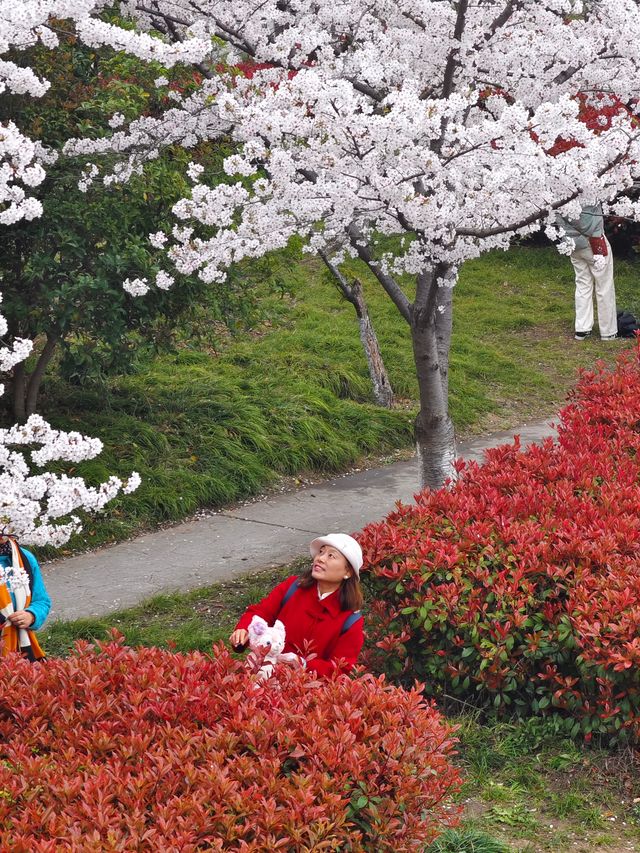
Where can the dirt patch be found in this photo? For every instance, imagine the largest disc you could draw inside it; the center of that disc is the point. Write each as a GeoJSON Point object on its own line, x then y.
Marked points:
{"type": "Point", "coordinates": [588, 806]}
{"type": "Point", "coordinates": [531, 829]}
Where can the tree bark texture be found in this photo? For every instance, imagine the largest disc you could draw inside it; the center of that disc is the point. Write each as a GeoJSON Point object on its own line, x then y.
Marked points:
{"type": "Point", "coordinates": [26, 388]}
{"type": "Point", "coordinates": [430, 320]}
{"type": "Point", "coordinates": [382, 390]}
{"type": "Point", "coordinates": [18, 390]}
{"type": "Point", "coordinates": [431, 339]}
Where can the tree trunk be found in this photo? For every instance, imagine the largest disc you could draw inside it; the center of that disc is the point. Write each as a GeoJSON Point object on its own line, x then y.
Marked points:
{"type": "Point", "coordinates": [35, 380]}
{"type": "Point", "coordinates": [444, 323]}
{"type": "Point", "coordinates": [431, 339]}
{"type": "Point", "coordinates": [429, 318]}
{"type": "Point", "coordinates": [26, 388]}
{"type": "Point", "coordinates": [382, 390]}
{"type": "Point", "coordinates": [18, 390]}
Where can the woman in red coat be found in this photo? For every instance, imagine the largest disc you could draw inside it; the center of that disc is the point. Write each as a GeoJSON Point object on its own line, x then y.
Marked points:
{"type": "Point", "coordinates": [319, 609]}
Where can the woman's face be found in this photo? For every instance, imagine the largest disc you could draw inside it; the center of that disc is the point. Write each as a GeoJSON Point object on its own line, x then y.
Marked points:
{"type": "Point", "coordinates": [330, 566]}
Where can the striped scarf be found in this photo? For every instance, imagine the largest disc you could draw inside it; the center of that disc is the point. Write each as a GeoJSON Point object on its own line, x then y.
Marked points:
{"type": "Point", "coordinates": [16, 578]}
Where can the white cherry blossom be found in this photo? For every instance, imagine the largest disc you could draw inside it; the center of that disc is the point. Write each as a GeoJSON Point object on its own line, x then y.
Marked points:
{"type": "Point", "coordinates": [435, 121]}
{"type": "Point", "coordinates": [164, 281]}
{"type": "Point", "coordinates": [37, 507]}
{"type": "Point", "coordinates": [136, 286]}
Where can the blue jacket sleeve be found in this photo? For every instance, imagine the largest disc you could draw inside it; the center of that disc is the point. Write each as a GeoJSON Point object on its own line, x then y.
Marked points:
{"type": "Point", "coordinates": [40, 601]}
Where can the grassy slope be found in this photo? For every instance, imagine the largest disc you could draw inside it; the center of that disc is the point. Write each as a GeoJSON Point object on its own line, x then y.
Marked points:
{"type": "Point", "coordinates": [206, 429]}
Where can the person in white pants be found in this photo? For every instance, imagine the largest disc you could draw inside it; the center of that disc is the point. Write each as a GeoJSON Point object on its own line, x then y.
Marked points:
{"type": "Point", "coordinates": [592, 261]}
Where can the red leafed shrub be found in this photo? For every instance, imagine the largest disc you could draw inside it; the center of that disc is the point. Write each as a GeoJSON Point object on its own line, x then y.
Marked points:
{"type": "Point", "coordinates": [519, 587]}
{"type": "Point", "coordinates": [120, 749]}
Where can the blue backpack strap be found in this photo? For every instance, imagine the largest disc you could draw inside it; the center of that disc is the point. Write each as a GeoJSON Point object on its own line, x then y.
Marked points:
{"type": "Point", "coordinates": [351, 620]}
{"type": "Point", "coordinates": [289, 593]}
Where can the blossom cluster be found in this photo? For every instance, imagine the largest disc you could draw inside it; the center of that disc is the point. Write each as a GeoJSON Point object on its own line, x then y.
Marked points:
{"type": "Point", "coordinates": [28, 22]}
{"type": "Point", "coordinates": [20, 164]}
{"type": "Point", "coordinates": [21, 26]}
{"type": "Point", "coordinates": [370, 113]}
{"type": "Point", "coordinates": [38, 508]}
{"type": "Point", "coordinates": [136, 286]}
{"type": "Point", "coordinates": [14, 575]}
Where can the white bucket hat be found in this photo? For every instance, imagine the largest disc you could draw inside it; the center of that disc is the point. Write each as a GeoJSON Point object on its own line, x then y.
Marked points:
{"type": "Point", "coordinates": [347, 546]}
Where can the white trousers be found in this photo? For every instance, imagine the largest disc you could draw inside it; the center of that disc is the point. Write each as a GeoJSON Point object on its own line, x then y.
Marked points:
{"type": "Point", "coordinates": [588, 280]}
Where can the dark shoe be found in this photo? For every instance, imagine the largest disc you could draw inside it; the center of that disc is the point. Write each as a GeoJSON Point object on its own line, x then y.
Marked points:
{"type": "Point", "coordinates": [580, 336]}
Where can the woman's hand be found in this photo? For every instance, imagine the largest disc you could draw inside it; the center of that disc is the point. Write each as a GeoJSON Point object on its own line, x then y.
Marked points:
{"type": "Point", "coordinates": [239, 638]}
{"type": "Point", "coordinates": [21, 619]}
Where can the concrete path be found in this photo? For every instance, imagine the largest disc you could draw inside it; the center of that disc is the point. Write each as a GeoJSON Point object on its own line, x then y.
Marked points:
{"type": "Point", "coordinates": [268, 532]}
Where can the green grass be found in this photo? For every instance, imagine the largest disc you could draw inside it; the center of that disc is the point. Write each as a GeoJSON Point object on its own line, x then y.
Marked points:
{"type": "Point", "coordinates": [208, 427]}
{"type": "Point", "coordinates": [186, 622]}
{"type": "Point", "coordinates": [466, 841]}
{"type": "Point", "coordinates": [528, 788]}
{"type": "Point", "coordinates": [538, 791]}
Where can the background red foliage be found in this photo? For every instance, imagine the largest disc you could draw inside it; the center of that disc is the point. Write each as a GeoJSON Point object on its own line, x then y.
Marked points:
{"type": "Point", "coordinates": [120, 749]}
{"type": "Point", "coordinates": [598, 111]}
{"type": "Point", "coordinates": [519, 587]}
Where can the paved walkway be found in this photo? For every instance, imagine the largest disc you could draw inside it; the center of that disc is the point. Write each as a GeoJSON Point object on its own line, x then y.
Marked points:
{"type": "Point", "coordinates": [268, 532]}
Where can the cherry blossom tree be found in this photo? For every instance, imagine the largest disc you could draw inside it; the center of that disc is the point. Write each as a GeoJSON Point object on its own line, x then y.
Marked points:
{"type": "Point", "coordinates": [28, 22]}
{"type": "Point", "coordinates": [426, 121]}
{"type": "Point", "coordinates": [37, 507]}
{"type": "Point", "coordinates": [431, 121]}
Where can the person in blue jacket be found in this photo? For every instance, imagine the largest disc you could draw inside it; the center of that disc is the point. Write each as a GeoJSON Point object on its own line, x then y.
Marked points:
{"type": "Point", "coordinates": [24, 600]}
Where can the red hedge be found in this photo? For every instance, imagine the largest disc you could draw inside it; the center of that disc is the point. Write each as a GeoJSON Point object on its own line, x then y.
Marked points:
{"type": "Point", "coordinates": [121, 749]}
{"type": "Point", "coordinates": [519, 587]}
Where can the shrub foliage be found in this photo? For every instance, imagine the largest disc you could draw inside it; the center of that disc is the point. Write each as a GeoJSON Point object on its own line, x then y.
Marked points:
{"type": "Point", "coordinates": [122, 749]}
{"type": "Point", "coordinates": [519, 587]}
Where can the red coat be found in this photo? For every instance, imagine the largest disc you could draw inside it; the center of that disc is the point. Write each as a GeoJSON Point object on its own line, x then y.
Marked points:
{"type": "Point", "coordinates": [312, 626]}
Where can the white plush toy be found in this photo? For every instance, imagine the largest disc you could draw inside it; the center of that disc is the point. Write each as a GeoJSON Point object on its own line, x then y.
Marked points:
{"type": "Point", "coordinates": [260, 634]}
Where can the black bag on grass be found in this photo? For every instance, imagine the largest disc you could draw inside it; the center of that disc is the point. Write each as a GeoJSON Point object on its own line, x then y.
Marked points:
{"type": "Point", "coordinates": [627, 325]}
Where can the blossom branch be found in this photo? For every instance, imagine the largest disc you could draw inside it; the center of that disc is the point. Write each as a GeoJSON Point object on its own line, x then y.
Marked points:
{"type": "Point", "coordinates": [393, 289]}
